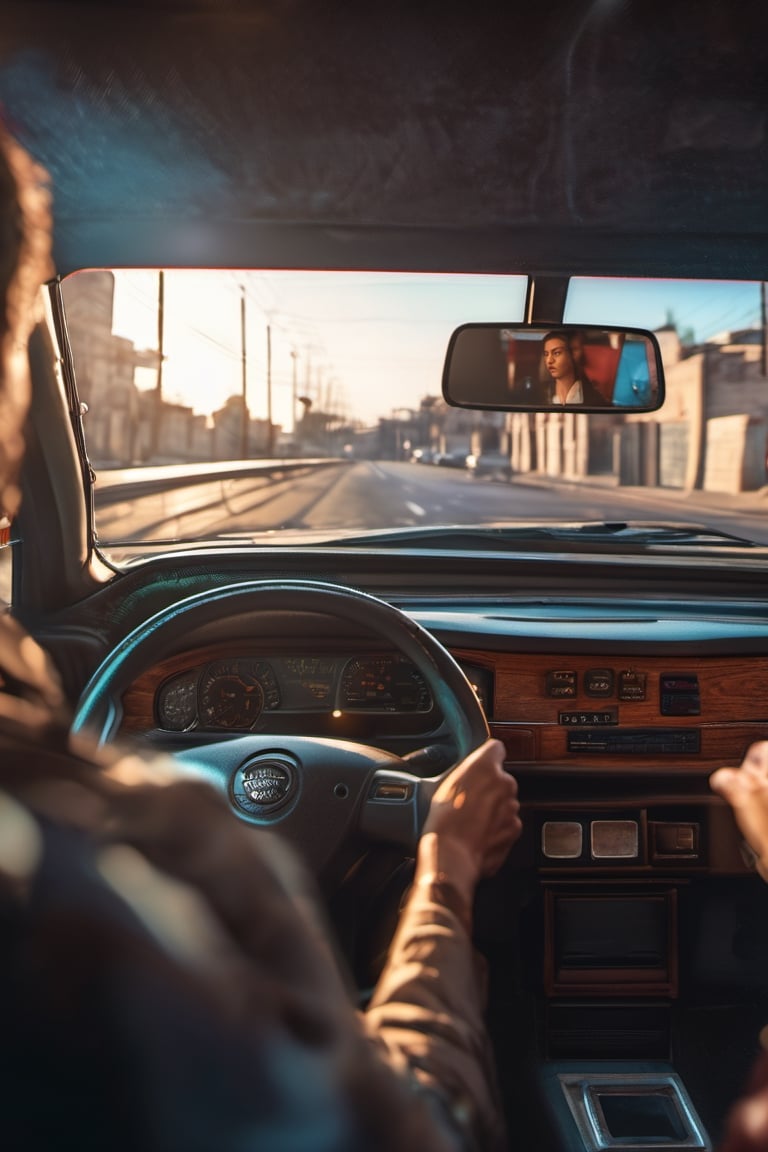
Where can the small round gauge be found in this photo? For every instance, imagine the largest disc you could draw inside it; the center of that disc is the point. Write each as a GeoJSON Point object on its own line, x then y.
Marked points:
{"type": "Point", "coordinates": [176, 703]}
{"type": "Point", "coordinates": [384, 684]}
{"type": "Point", "coordinates": [233, 693]}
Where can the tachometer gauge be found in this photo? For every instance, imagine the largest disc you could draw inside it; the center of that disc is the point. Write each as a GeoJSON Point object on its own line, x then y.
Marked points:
{"type": "Point", "coordinates": [233, 693]}
{"type": "Point", "coordinates": [384, 684]}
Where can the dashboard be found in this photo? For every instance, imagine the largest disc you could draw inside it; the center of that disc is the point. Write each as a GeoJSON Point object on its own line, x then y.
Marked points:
{"type": "Point", "coordinates": [591, 712]}
{"type": "Point", "coordinates": [612, 743]}
{"type": "Point", "coordinates": [612, 720]}
{"type": "Point", "coordinates": [613, 709]}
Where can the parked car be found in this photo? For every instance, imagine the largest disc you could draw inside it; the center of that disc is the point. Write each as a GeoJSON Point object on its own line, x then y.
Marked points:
{"type": "Point", "coordinates": [494, 465]}
{"type": "Point", "coordinates": [270, 222]}
{"type": "Point", "coordinates": [455, 458]}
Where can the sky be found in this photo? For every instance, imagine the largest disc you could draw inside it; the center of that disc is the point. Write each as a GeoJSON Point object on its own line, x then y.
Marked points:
{"type": "Point", "coordinates": [365, 345]}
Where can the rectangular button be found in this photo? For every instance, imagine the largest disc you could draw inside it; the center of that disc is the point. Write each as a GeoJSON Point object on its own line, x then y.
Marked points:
{"type": "Point", "coordinates": [679, 695]}
{"type": "Point", "coordinates": [392, 791]}
{"type": "Point", "coordinates": [561, 839]}
{"type": "Point", "coordinates": [670, 839]}
{"type": "Point", "coordinates": [632, 685]}
{"type": "Point", "coordinates": [680, 704]}
{"type": "Point", "coordinates": [582, 718]}
{"type": "Point", "coordinates": [598, 682]}
{"type": "Point", "coordinates": [561, 685]}
{"type": "Point", "coordinates": [614, 839]}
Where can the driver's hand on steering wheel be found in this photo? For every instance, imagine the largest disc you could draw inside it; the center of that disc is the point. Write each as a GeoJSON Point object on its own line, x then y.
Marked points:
{"type": "Point", "coordinates": [473, 821]}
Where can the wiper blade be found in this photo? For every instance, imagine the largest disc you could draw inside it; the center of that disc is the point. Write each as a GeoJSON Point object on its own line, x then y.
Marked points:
{"type": "Point", "coordinates": [649, 533]}
{"type": "Point", "coordinates": [608, 535]}
{"type": "Point", "coordinates": [452, 538]}
{"type": "Point", "coordinates": [638, 534]}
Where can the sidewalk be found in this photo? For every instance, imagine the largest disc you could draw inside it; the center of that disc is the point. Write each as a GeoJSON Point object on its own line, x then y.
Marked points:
{"type": "Point", "coordinates": [755, 501]}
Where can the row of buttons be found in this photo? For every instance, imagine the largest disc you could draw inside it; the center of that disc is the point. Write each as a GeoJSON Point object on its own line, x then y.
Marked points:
{"type": "Point", "coordinates": [619, 839]}
{"type": "Point", "coordinates": [598, 682]}
{"type": "Point", "coordinates": [679, 694]}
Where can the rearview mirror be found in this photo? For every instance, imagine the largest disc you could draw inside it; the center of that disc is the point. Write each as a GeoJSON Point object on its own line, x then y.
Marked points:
{"type": "Point", "coordinates": [513, 367]}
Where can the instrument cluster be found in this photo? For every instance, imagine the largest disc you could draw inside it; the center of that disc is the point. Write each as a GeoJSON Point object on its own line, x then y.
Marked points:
{"type": "Point", "coordinates": [240, 693]}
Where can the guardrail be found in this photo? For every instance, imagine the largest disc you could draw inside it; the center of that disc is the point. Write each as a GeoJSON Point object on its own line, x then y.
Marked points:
{"type": "Point", "coordinates": [123, 483]}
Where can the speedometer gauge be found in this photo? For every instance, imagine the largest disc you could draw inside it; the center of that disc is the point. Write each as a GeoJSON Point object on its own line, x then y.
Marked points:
{"type": "Point", "coordinates": [384, 684]}
{"type": "Point", "coordinates": [233, 693]}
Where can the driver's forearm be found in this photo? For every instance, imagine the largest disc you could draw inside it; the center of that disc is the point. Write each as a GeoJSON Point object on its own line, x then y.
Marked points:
{"type": "Point", "coordinates": [427, 1008]}
{"type": "Point", "coordinates": [446, 869]}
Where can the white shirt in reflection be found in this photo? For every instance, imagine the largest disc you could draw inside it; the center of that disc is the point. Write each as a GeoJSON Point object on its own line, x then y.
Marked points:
{"type": "Point", "coordinates": [575, 395]}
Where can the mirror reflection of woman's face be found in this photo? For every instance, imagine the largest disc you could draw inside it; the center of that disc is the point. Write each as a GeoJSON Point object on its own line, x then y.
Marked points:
{"type": "Point", "coordinates": [558, 359]}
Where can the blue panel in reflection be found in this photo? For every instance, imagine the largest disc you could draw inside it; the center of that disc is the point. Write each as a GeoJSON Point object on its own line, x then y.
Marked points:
{"type": "Point", "coordinates": [633, 381]}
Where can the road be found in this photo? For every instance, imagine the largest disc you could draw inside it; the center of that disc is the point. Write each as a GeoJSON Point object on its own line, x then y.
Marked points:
{"type": "Point", "coordinates": [377, 494]}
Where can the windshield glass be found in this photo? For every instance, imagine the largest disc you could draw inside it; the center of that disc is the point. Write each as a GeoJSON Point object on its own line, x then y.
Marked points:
{"type": "Point", "coordinates": [282, 406]}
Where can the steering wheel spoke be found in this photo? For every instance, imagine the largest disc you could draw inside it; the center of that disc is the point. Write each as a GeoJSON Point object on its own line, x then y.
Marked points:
{"type": "Point", "coordinates": [395, 807]}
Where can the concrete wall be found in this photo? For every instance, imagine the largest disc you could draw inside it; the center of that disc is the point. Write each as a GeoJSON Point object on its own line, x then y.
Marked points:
{"type": "Point", "coordinates": [673, 454]}
{"type": "Point", "coordinates": [684, 404]}
{"type": "Point", "coordinates": [735, 454]}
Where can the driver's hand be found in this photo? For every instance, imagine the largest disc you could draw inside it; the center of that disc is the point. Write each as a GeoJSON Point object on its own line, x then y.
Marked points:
{"type": "Point", "coordinates": [474, 817]}
{"type": "Point", "coordinates": [746, 790]}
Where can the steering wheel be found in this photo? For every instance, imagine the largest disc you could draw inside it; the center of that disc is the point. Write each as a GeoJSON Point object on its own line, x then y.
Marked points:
{"type": "Point", "coordinates": [318, 792]}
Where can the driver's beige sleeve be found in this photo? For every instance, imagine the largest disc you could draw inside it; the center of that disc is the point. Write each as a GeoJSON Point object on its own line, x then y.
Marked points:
{"type": "Point", "coordinates": [427, 1012]}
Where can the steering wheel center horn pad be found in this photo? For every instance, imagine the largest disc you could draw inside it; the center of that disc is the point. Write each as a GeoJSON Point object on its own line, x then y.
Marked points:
{"type": "Point", "coordinates": [264, 785]}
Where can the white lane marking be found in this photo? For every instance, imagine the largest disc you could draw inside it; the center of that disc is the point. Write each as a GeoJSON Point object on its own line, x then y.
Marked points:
{"type": "Point", "coordinates": [414, 509]}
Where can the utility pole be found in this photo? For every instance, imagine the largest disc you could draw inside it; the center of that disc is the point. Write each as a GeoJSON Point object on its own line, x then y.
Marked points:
{"type": "Point", "coordinates": [270, 425]}
{"type": "Point", "coordinates": [244, 425]}
{"type": "Point", "coordinates": [294, 358]}
{"type": "Point", "coordinates": [154, 436]}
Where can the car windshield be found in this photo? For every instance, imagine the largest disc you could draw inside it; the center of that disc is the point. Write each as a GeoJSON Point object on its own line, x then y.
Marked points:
{"type": "Point", "coordinates": [277, 406]}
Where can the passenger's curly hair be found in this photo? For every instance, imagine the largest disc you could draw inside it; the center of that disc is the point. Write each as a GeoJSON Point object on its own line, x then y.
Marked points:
{"type": "Point", "coordinates": [25, 263]}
